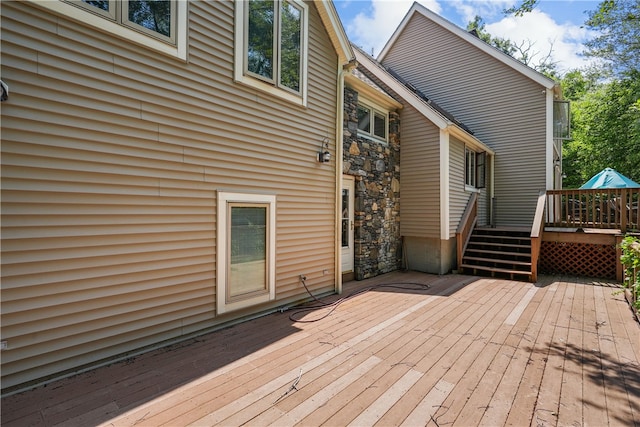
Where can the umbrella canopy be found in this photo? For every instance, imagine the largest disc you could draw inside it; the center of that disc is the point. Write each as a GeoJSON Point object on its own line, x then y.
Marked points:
{"type": "Point", "coordinates": [609, 178]}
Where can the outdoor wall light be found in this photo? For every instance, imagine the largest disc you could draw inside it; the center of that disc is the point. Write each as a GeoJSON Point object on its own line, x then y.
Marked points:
{"type": "Point", "coordinates": [324, 156]}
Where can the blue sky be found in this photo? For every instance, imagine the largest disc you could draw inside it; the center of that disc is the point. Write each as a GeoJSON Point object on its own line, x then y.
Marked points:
{"type": "Point", "coordinates": [555, 26]}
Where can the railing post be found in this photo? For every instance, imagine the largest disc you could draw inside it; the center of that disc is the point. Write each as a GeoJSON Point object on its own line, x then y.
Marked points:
{"type": "Point", "coordinates": [624, 212]}
{"type": "Point", "coordinates": [466, 226]}
{"type": "Point", "coordinates": [537, 230]}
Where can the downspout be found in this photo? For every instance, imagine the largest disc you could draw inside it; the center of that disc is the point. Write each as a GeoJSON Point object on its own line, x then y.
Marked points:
{"type": "Point", "coordinates": [342, 70]}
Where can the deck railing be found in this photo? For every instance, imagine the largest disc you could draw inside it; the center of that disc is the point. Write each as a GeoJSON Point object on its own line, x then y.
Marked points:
{"type": "Point", "coordinates": [615, 208]}
{"type": "Point", "coordinates": [466, 226]}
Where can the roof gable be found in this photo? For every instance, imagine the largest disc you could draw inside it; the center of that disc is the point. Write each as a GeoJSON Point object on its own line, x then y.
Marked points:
{"type": "Point", "coordinates": [497, 54]}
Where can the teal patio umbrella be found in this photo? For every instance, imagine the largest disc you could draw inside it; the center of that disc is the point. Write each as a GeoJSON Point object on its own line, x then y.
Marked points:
{"type": "Point", "coordinates": [609, 178]}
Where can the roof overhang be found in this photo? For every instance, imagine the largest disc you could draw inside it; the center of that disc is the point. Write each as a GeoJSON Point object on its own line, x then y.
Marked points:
{"type": "Point", "coordinates": [333, 25]}
{"type": "Point", "coordinates": [475, 41]}
{"type": "Point", "coordinates": [375, 95]}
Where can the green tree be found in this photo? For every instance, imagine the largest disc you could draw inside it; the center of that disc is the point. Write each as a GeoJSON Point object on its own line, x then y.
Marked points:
{"type": "Point", "coordinates": [605, 127]}
{"type": "Point", "coordinates": [524, 7]}
{"type": "Point", "coordinates": [617, 23]}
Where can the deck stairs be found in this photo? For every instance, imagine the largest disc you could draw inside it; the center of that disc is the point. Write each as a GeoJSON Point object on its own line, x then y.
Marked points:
{"type": "Point", "coordinates": [498, 252]}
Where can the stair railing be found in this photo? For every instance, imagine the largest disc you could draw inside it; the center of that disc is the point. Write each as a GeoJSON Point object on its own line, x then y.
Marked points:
{"type": "Point", "coordinates": [466, 226]}
{"type": "Point", "coordinates": [537, 229]}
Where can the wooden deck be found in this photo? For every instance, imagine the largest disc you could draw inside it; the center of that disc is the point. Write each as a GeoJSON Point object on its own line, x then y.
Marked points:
{"type": "Point", "coordinates": [464, 351]}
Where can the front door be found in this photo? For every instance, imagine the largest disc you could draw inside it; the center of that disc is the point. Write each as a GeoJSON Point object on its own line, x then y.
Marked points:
{"type": "Point", "coordinates": [348, 197]}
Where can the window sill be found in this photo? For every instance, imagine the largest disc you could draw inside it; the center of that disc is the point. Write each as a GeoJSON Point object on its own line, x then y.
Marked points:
{"type": "Point", "coordinates": [470, 189]}
{"type": "Point", "coordinates": [272, 90]}
{"type": "Point", "coordinates": [372, 138]}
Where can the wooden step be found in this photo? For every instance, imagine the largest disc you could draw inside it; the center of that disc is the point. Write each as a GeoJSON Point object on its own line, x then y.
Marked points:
{"type": "Point", "coordinates": [509, 245]}
{"type": "Point", "coordinates": [504, 253]}
{"type": "Point", "coordinates": [496, 260]}
{"type": "Point", "coordinates": [495, 270]}
{"type": "Point", "coordinates": [494, 236]}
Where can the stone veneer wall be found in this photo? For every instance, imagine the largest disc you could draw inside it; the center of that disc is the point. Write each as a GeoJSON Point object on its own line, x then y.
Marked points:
{"type": "Point", "coordinates": [376, 168]}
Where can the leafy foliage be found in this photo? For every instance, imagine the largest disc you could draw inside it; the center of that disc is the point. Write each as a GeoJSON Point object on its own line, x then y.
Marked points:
{"type": "Point", "coordinates": [605, 127]}
{"type": "Point", "coordinates": [631, 260]}
{"type": "Point", "coordinates": [618, 24]}
{"type": "Point", "coordinates": [525, 7]}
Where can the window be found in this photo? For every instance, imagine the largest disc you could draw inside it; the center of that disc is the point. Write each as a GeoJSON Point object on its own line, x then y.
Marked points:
{"type": "Point", "coordinates": [470, 168]}
{"type": "Point", "coordinates": [372, 122]}
{"type": "Point", "coordinates": [157, 24]}
{"type": "Point", "coordinates": [152, 17]}
{"type": "Point", "coordinates": [475, 169]}
{"type": "Point", "coordinates": [561, 120]}
{"type": "Point", "coordinates": [271, 40]}
{"type": "Point", "coordinates": [246, 250]}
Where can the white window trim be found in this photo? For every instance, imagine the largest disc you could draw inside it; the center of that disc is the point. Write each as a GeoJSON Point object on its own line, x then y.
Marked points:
{"type": "Point", "coordinates": [375, 108]}
{"type": "Point", "coordinates": [241, 35]}
{"type": "Point", "coordinates": [467, 187]}
{"type": "Point", "coordinates": [179, 50]}
{"type": "Point", "coordinates": [224, 198]}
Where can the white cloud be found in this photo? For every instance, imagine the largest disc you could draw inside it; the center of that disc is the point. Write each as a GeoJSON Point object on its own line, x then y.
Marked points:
{"type": "Point", "coordinates": [487, 9]}
{"type": "Point", "coordinates": [371, 28]}
{"type": "Point", "coordinates": [545, 34]}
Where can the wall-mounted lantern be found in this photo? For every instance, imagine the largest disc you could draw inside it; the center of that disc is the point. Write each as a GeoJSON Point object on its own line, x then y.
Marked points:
{"type": "Point", "coordinates": [324, 156]}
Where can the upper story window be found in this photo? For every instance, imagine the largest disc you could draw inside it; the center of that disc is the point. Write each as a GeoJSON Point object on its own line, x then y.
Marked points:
{"type": "Point", "coordinates": [372, 122]}
{"type": "Point", "coordinates": [157, 24]}
{"type": "Point", "coordinates": [271, 47]}
{"type": "Point", "coordinates": [156, 18]}
{"type": "Point", "coordinates": [561, 120]}
{"type": "Point", "coordinates": [474, 169]}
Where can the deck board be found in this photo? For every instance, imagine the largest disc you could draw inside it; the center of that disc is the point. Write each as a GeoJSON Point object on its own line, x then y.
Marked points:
{"type": "Point", "coordinates": [466, 351]}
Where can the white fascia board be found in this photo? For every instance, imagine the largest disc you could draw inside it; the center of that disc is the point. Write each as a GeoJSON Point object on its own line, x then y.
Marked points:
{"type": "Point", "coordinates": [406, 94]}
{"type": "Point", "coordinates": [381, 98]}
{"type": "Point", "coordinates": [475, 41]}
{"type": "Point", "coordinates": [333, 25]}
{"type": "Point", "coordinates": [469, 139]}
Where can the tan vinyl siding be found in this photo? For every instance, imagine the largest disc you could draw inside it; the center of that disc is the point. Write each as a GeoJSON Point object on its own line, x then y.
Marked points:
{"type": "Point", "coordinates": [420, 177]}
{"type": "Point", "coordinates": [458, 197]}
{"type": "Point", "coordinates": [505, 109]}
{"type": "Point", "coordinates": [112, 155]}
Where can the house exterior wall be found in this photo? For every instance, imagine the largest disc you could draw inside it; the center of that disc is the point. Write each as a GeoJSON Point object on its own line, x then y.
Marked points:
{"type": "Point", "coordinates": [505, 109]}
{"type": "Point", "coordinates": [112, 156]}
{"type": "Point", "coordinates": [420, 181]}
{"type": "Point", "coordinates": [458, 196]}
{"type": "Point", "coordinates": [423, 249]}
{"type": "Point", "coordinates": [376, 168]}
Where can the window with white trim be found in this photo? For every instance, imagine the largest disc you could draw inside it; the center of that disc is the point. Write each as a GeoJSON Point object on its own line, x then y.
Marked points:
{"type": "Point", "coordinates": [155, 18]}
{"type": "Point", "coordinates": [474, 169]}
{"type": "Point", "coordinates": [271, 46]}
{"type": "Point", "coordinates": [372, 122]}
{"type": "Point", "coordinates": [246, 250]}
{"type": "Point", "coordinates": [157, 24]}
